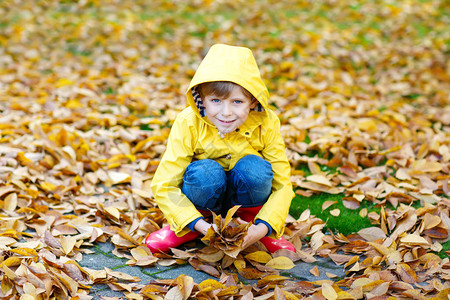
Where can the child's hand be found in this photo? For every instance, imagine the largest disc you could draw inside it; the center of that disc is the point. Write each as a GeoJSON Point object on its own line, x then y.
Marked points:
{"type": "Point", "coordinates": [254, 233]}
{"type": "Point", "coordinates": [202, 226]}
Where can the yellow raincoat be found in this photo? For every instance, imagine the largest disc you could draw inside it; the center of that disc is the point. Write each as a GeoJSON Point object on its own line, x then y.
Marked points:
{"type": "Point", "coordinates": [193, 137]}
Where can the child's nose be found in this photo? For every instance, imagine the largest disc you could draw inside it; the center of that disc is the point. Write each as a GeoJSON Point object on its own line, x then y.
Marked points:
{"type": "Point", "coordinates": [226, 111]}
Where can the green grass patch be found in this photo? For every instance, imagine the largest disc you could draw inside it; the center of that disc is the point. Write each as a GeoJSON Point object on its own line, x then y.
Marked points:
{"type": "Point", "coordinates": [445, 247]}
{"type": "Point", "coordinates": [349, 221]}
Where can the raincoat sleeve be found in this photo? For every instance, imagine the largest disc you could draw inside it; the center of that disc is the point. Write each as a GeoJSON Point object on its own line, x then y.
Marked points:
{"type": "Point", "coordinates": [166, 184]}
{"type": "Point", "coordinates": [276, 209]}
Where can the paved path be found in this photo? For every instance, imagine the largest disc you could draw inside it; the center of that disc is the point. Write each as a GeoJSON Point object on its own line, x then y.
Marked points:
{"type": "Point", "coordinates": [103, 257]}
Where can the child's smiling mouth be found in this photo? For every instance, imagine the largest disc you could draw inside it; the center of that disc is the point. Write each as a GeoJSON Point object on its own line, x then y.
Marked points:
{"type": "Point", "coordinates": [226, 122]}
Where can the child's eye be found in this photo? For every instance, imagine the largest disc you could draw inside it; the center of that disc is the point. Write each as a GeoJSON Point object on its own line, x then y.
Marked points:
{"type": "Point", "coordinates": [238, 101]}
{"type": "Point", "coordinates": [215, 100]}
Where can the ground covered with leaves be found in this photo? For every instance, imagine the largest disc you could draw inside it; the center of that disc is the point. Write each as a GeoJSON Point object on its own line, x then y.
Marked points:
{"type": "Point", "coordinates": [89, 89]}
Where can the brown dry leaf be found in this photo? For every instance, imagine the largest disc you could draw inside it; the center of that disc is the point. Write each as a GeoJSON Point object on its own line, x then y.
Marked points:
{"type": "Point", "coordinates": [210, 254]}
{"type": "Point", "coordinates": [327, 204]}
{"type": "Point", "coordinates": [185, 284]}
{"type": "Point", "coordinates": [363, 212]}
{"type": "Point", "coordinates": [314, 271]}
{"type": "Point", "coordinates": [406, 274]}
{"type": "Point", "coordinates": [67, 243]}
{"type": "Point", "coordinates": [270, 279]}
{"type": "Point", "coordinates": [335, 212]}
{"type": "Point", "coordinates": [430, 221]}
{"type": "Point", "coordinates": [320, 179]}
{"type": "Point", "coordinates": [371, 234]}
{"type": "Point", "coordinates": [340, 259]}
{"type": "Point", "coordinates": [305, 215]}
{"type": "Point", "coordinates": [143, 256]}
{"type": "Point", "coordinates": [209, 269]}
{"type": "Point", "coordinates": [227, 238]}
{"type": "Point", "coordinates": [351, 203]}
{"type": "Point", "coordinates": [10, 202]}
{"type": "Point", "coordinates": [229, 216]}
{"type": "Point", "coordinates": [122, 275]}
{"type": "Point", "coordinates": [414, 239]}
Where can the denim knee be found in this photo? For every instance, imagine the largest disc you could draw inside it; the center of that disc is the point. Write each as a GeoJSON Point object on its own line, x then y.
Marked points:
{"type": "Point", "coordinates": [251, 180]}
{"type": "Point", "coordinates": [204, 183]}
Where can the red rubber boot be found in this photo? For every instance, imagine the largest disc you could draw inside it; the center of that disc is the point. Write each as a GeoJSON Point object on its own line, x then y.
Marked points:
{"type": "Point", "coordinates": [164, 239]}
{"type": "Point", "coordinates": [248, 214]}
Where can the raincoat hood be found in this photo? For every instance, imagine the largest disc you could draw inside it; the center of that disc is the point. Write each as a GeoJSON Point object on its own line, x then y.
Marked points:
{"type": "Point", "coordinates": [228, 63]}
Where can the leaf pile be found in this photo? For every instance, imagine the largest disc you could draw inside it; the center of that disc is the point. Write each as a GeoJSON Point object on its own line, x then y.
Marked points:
{"type": "Point", "coordinates": [89, 89]}
{"type": "Point", "coordinates": [229, 235]}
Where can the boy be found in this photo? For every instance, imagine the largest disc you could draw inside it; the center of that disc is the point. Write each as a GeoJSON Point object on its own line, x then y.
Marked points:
{"type": "Point", "coordinates": [224, 149]}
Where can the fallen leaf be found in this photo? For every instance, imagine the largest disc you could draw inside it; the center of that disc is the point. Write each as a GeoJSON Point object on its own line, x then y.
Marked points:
{"type": "Point", "coordinates": [281, 263]}
{"type": "Point", "coordinates": [314, 271]}
{"type": "Point", "coordinates": [327, 204]}
{"type": "Point", "coordinates": [371, 234]}
{"type": "Point", "coordinates": [335, 212]}
{"type": "Point", "coordinates": [328, 292]}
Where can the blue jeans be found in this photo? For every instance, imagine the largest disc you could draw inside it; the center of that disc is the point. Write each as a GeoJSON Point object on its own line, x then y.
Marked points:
{"type": "Point", "coordinates": [209, 187]}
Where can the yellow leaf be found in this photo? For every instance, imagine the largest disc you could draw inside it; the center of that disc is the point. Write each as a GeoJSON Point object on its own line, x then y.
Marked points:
{"type": "Point", "coordinates": [367, 124]}
{"type": "Point", "coordinates": [8, 272]}
{"type": "Point", "coordinates": [427, 166]}
{"type": "Point", "coordinates": [210, 285]}
{"type": "Point", "coordinates": [10, 202]}
{"type": "Point", "coordinates": [414, 239]}
{"type": "Point", "coordinates": [47, 186]}
{"type": "Point", "coordinates": [139, 252]}
{"type": "Point", "coordinates": [239, 264]}
{"type": "Point", "coordinates": [64, 82]}
{"type": "Point", "coordinates": [25, 252]}
{"type": "Point", "coordinates": [12, 261]}
{"type": "Point", "coordinates": [71, 284]}
{"type": "Point", "coordinates": [67, 243]}
{"type": "Point", "coordinates": [328, 292]}
{"type": "Point", "coordinates": [380, 248]}
{"type": "Point", "coordinates": [320, 179]}
{"type": "Point", "coordinates": [361, 282]}
{"type": "Point", "coordinates": [74, 103]}
{"type": "Point", "coordinates": [259, 256]}
{"type": "Point", "coordinates": [229, 215]}
{"type": "Point", "coordinates": [407, 274]}
{"type": "Point", "coordinates": [113, 212]}
{"type": "Point", "coordinates": [371, 285]}
{"type": "Point", "coordinates": [343, 295]}
{"type": "Point", "coordinates": [118, 177]}
{"type": "Point", "coordinates": [185, 284]}
{"type": "Point", "coordinates": [281, 263]}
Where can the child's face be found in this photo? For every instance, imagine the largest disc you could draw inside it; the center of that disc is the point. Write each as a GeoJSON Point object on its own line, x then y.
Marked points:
{"type": "Point", "coordinates": [228, 113]}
